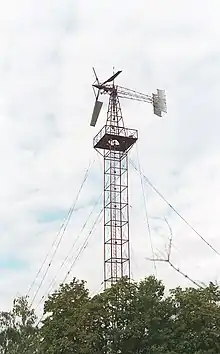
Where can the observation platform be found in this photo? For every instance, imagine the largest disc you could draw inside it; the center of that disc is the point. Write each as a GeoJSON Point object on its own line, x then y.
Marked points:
{"type": "Point", "coordinates": [115, 138]}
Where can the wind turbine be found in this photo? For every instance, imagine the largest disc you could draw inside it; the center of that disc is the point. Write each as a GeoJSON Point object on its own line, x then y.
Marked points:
{"type": "Point", "coordinates": [114, 141]}
{"type": "Point", "coordinates": [158, 100]}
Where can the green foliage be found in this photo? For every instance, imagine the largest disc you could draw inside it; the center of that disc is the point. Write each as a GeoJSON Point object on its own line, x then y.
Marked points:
{"type": "Point", "coordinates": [17, 331]}
{"type": "Point", "coordinates": [128, 318]}
{"type": "Point", "coordinates": [133, 318]}
{"type": "Point", "coordinates": [63, 330]}
{"type": "Point", "coordinates": [196, 322]}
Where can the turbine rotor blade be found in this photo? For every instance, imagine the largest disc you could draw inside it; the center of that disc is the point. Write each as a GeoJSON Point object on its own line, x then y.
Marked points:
{"type": "Point", "coordinates": [94, 91]}
{"type": "Point", "coordinates": [112, 77]}
{"type": "Point", "coordinates": [96, 77]}
{"type": "Point", "coordinates": [96, 112]}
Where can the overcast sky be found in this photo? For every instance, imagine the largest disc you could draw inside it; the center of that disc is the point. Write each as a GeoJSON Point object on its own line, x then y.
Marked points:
{"type": "Point", "coordinates": [47, 50]}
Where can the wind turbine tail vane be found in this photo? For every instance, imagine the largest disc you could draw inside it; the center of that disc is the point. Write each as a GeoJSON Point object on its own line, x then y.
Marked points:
{"type": "Point", "coordinates": [159, 102]}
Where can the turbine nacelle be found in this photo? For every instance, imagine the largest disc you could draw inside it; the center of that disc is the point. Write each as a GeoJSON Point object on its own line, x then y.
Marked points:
{"type": "Point", "coordinates": [99, 87]}
{"type": "Point", "coordinates": [102, 87]}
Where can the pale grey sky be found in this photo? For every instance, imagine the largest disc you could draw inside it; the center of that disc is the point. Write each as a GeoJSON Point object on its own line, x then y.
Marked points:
{"type": "Point", "coordinates": [47, 50]}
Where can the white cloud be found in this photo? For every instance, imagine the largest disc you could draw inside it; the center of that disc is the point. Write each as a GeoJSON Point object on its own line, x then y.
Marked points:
{"type": "Point", "coordinates": [47, 49]}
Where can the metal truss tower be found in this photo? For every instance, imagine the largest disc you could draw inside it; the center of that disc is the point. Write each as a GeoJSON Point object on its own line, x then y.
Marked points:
{"type": "Point", "coordinates": [114, 142]}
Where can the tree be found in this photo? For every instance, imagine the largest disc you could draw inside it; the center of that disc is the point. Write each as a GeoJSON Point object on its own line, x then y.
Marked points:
{"type": "Point", "coordinates": [132, 317]}
{"type": "Point", "coordinates": [17, 331]}
{"type": "Point", "coordinates": [63, 329]}
{"type": "Point", "coordinates": [196, 320]}
{"type": "Point", "coordinates": [128, 318]}
{"type": "Point", "coordinates": [129, 314]}
{"type": "Point", "coordinates": [122, 319]}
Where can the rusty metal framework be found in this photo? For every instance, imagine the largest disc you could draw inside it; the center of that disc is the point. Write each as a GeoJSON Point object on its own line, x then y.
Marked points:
{"type": "Point", "coordinates": [113, 142]}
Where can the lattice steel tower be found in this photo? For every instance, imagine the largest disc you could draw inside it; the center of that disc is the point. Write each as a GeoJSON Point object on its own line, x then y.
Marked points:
{"type": "Point", "coordinates": [113, 142]}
